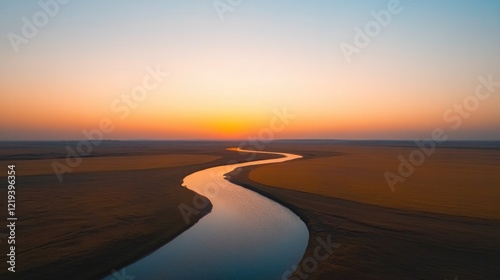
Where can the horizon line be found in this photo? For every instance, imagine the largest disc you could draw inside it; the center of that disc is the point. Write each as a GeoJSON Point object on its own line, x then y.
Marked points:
{"type": "Point", "coordinates": [240, 139]}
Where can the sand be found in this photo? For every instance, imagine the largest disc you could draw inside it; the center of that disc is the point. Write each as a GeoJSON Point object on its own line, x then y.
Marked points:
{"type": "Point", "coordinates": [421, 231]}
{"type": "Point", "coordinates": [462, 182]}
{"type": "Point", "coordinates": [108, 163]}
{"type": "Point", "coordinates": [101, 218]}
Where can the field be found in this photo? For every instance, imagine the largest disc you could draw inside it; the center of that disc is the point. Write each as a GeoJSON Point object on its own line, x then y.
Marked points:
{"type": "Point", "coordinates": [116, 206]}
{"type": "Point", "coordinates": [121, 203]}
{"type": "Point", "coordinates": [442, 222]}
{"type": "Point", "coordinates": [460, 182]}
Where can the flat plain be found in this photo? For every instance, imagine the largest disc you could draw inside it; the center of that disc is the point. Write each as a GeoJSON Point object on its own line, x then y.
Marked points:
{"type": "Point", "coordinates": [442, 222]}
{"type": "Point", "coordinates": [121, 203]}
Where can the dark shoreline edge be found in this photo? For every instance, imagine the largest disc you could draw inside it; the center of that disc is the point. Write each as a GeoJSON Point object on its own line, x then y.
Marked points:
{"type": "Point", "coordinates": [118, 253]}
{"type": "Point", "coordinates": [148, 250]}
{"type": "Point", "coordinates": [302, 213]}
{"type": "Point", "coordinates": [318, 228]}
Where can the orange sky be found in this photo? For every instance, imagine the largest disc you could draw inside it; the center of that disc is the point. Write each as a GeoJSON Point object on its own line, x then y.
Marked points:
{"type": "Point", "coordinates": [226, 78]}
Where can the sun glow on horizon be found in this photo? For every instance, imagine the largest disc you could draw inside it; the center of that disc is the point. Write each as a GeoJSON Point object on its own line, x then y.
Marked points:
{"type": "Point", "coordinates": [226, 78]}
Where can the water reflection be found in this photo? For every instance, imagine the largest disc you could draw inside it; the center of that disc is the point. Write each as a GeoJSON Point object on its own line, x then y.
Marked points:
{"type": "Point", "coordinates": [246, 236]}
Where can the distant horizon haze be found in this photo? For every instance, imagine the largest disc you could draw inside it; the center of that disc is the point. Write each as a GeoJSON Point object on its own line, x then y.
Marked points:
{"type": "Point", "coordinates": [177, 70]}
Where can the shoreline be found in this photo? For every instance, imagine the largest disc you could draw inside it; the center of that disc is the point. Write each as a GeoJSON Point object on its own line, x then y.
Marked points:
{"type": "Point", "coordinates": [120, 252]}
{"type": "Point", "coordinates": [361, 229]}
{"type": "Point", "coordinates": [186, 242]}
{"type": "Point", "coordinates": [97, 237]}
{"type": "Point", "coordinates": [148, 250]}
{"type": "Point", "coordinates": [373, 238]}
{"type": "Point", "coordinates": [160, 243]}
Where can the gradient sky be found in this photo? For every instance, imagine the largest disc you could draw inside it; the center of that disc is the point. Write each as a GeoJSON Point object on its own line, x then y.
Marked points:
{"type": "Point", "coordinates": [227, 77]}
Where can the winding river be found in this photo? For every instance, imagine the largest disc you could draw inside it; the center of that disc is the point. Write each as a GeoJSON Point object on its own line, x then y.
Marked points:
{"type": "Point", "coordinates": [246, 236]}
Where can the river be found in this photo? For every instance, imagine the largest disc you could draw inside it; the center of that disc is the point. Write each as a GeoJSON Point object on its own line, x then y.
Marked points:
{"type": "Point", "coordinates": [246, 236]}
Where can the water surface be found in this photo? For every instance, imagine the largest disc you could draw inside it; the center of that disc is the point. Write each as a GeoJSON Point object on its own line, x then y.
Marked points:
{"type": "Point", "coordinates": [246, 236]}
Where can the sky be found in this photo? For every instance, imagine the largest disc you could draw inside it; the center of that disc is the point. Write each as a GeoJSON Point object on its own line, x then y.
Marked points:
{"type": "Point", "coordinates": [66, 68]}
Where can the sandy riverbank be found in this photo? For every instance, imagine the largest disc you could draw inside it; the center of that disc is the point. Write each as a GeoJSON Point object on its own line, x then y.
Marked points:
{"type": "Point", "coordinates": [384, 236]}
{"type": "Point", "coordinates": [101, 218]}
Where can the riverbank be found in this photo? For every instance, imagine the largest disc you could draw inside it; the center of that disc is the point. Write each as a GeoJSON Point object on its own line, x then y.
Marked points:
{"type": "Point", "coordinates": [379, 242]}
{"type": "Point", "coordinates": [246, 236]}
{"type": "Point", "coordinates": [100, 219]}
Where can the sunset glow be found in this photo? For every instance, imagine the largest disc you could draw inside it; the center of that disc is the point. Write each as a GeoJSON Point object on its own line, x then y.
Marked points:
{"type": "Point", "coordinates": [226, 77]}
